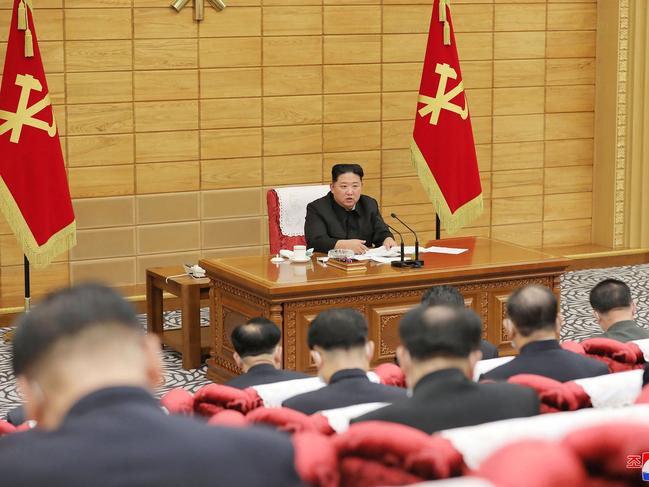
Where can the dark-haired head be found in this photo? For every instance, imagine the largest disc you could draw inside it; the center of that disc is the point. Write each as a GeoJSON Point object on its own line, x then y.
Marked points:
{"type": "Point", "coordinates": [256, 337]}
{"type": "Point", "coordinates": [442, 295]}
{"type": "Point", "coordinates": [610, 294]}
{"type": "Point", "coordinates": [533, 309]}
{"type": "Point", "coordinates": [339, 169]}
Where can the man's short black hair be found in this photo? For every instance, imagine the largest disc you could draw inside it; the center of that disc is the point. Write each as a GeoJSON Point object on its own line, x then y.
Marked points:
{"type": "Point", "coordinates": [256, 337]}
{"type": "Point", "coordinates": [610, 294]}
{"type": "Point", "coordinates": [447, 331]}
{"type": "Point", "coordinates": [439, 295]}
{"type": "Point", "coordinates": [533, 308]}
{"type": "Point", "coordinates": [64, 314]}
{"type": "Point", "coordinates": [338, 329]}
{"type": "Point", "coordinates": [339, 169]}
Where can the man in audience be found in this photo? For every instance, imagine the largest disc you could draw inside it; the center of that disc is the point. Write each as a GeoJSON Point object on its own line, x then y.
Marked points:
{"type": "Point", "coordinates": [450, 296]}
{"type": "Point", "coordinates": [341, 352]}
{"type": "Point", "coordinates": [616, 312]}
{"type": "Point", "coordinates": [439, 348]}
{"type": "Point", "coordinates": [533, 326]}
{"type": "Point", "coordinates": [86, 370]}
{"type": "Point", "coordinates": [258, 354]}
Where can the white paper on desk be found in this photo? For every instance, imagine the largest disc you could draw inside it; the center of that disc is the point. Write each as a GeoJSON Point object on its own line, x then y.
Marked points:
{"type": "Point", "coordinates": [384, 260]}
{"type": "Point", "coordinates": [378, 252]}
{"type": "Point", "coordinates": [444, 250]}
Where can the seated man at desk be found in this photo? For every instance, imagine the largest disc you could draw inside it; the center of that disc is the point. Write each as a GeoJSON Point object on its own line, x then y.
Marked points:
{"type": "Point", "coordinates": [344, 218]}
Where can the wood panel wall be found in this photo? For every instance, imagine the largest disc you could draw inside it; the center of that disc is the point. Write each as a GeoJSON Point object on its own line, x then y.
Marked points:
{"type": "Point", "coordinates": [173, 130]}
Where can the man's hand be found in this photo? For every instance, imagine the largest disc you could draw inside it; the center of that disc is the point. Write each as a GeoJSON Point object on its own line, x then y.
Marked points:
{"type": "Point", "coordinates": [358, 246]}
{"type": "Point", "coordinates": [388, 243]}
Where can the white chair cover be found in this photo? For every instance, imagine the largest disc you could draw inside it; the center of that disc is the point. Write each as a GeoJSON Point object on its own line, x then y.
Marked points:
{"type": "Point", "coordinates": [339, 418]}
{"type": "Point", "coordinates": [484, 366]}
{"type": "Point", "coordinates": [292, 206]}
{"type": "Point", "coordinates": [613, 390]}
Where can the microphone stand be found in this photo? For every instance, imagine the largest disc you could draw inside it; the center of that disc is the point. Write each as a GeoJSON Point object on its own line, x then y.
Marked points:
{"type": "Point", "coordinates": [402, 262]}
{"type": "Point", "coordinates": [416, 262]}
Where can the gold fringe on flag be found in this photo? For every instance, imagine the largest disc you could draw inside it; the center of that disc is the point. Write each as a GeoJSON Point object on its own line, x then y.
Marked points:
{"type": "Point", "coordinates": [442, 10]}
{"type": "Point", "coordinates": [22, 16]}
{"type": "Point", "coordinates": [29, 44]}
{"type": "Point", "coordinates": [447, 34]}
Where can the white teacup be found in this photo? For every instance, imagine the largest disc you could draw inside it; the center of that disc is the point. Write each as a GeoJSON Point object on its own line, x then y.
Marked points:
{"type": "Point", "coordinates": [299, 252]}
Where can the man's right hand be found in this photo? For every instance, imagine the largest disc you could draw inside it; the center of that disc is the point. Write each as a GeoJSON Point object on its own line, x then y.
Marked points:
{"type": "Point", "coordinates": [358, 246]}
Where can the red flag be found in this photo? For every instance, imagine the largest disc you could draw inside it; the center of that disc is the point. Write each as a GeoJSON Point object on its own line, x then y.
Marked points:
{"type": "Point", "coordinates": [442, 149]}
{"type": "Point", "coordinates": [34, 194]}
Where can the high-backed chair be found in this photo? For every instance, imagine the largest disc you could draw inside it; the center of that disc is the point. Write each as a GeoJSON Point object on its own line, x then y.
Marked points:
{"type": "Point", "coordinates": [286, 214]}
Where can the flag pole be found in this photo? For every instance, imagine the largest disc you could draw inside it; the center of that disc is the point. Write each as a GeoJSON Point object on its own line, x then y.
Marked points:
{"type": "Point", "coordinates": [438, 230]}
{"type": "Point", "coordinates": [27, 286]}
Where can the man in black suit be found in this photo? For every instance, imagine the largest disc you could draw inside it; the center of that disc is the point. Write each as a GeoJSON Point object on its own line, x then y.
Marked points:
{"type": "Point", "coordinates": [440, 346]}
{"type": "Point", "coordinates": [344, 218]}
{"type": "Point", "coordinates": [258, 353]}
{"type": "Point", "coordinates": [341, 352]}
{"type": "Point", "coordinates": [450, 296]}
{"type": "Point", "coordinates": [86, 370]}
{"type": "Point", "coordinates": [533, 325]}
{"type": "Point", "coordinates": [616, 312]}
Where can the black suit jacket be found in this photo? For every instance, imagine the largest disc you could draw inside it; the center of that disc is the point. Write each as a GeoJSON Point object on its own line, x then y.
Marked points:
{"type": "Point", "coordinates": [263, 374]}
{"type": "Point", "coordinates": [346, 388]}
{"type": "Point", "coordinates": [547, 358]}
{"type": "Point", "coordinates": [624, 331]}
{"type": "Point", "coordinates": [448, 399]}
{"type": "Point", "coordinates": [119, 437]}
{"type": "Point", "coordinates": [488, 349]}
{"type": "Point", "coordinates": [325, 223]}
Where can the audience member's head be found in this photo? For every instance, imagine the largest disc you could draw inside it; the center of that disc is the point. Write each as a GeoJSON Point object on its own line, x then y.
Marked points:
{"type": "Point", "coordinates": [257, 342]}
{"type": "Point", "coordinates": [76, 341]}
{"type": "Point", "coordinates": [611, 301]}
{"type": "Point", "coordinates": [533, 315]}
{"type": "Point", "coordinates": [338, 340]}
{"type": "Point", "coordinates": [442, 295]}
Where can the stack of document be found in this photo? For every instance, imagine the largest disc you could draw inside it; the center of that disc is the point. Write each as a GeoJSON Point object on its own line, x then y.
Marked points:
{"type": "Point", "coordinates": [383, 255]}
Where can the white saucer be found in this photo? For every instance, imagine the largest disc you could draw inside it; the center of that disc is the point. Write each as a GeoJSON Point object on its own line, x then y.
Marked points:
{"type": "Point", "coordinates": [301, 261]}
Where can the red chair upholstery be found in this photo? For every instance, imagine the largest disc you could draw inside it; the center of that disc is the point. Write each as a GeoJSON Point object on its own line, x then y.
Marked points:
{"type": "Point", "coordinates": [228, 417]}
{"type": "Point", "coordinates": [315, 459]}
{"type": "Point", "coordinates": [6, 428]}
{"type": "Point", "coordinates": [573, 347]}
{"type": "Point", "coordinates": [554, 395]}
{"type": "Point", "coordinates": [617, 355]}
{"type": "Point", "coordinates": [643, 398]}
{"type": "Point", "coordinates": [391, 375]}
{"type": "Point", "coordinates": [290, 420]}
{"type": "Point", "coordinates": [213, 398]}
{"type": "Point", "coordinates": [178, 401]}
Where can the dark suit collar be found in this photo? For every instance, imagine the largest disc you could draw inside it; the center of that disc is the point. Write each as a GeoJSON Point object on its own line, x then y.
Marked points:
{"type": "Point", "coordinates": [348, 374]}
{"type": "Point", "coordinates": [110, 396]}
{"type": "Point", "coordinates": [261, 368]}
{"type": "Point", "coordinates": [451, 376]}
{"type": "Point", "coordinates": [622, 325]}
{"type": "Point", "coordinates": [540, 346]}
{"type": "Point", "coordinates": [342, 212]}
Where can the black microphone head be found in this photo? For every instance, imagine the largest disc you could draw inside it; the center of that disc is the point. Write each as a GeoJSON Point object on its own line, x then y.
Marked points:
{"type": "Point", "coordinates": [393, 215]}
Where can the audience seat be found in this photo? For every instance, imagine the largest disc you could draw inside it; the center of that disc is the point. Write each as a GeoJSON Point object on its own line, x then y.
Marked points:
{"type": "Point", "coordinates": [289, 420]}
{"type": "Point", "coordinates": [315, 459]}
{"type": "Point", "coordinates": [213, 398]}
{"type": "Point", "coordinates": [617, 355]}
{"type": "Point", "coordinates": [555, 396]}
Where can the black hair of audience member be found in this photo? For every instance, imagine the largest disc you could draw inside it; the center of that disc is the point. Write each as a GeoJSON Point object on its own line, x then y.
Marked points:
{"type": "Point", "coordinates": [610, 294]}
{"type": "Point", "coordinates": [65, 314]}
{"type": "Point", "coordinates": [533, 308]}
{"type": "Point", "coordinates": [256, 337]}
{"type": "Point", "coordinates": [340, 328]}
{"type": "Point", "coordinates": [440, 331]}
{"type": "Point", "coordinates": [442, 295]}
{"type": "Point", "coordinates": [339, 169]}
{"type": "Point", "coordinates": [645, 375]}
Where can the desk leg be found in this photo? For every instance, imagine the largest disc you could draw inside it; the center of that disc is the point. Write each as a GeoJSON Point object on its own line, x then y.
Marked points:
{"type": "Point", "coordinates": [191, 326]}
{"type": "Point", "coordinates": [153, 307]}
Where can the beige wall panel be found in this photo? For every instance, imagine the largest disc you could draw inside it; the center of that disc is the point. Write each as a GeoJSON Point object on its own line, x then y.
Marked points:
{"type": "Point", "coordinates": [164, 208]}
{"type": "Point", "coordinates": [475, 74]}
{"type": "Point", "coordinates": [145, 262]}
{"type": "Point", "coordinates": [4, 226]}
{"type": "Point", "coordinates": [115, 272]}
{"type": "Point", "coordinates": [223, 143]}
{"type": "Point", "coordinates": [289, 2]}
{"type": "Point", "coordinates": [292, 110]}
{"type": "Point", "coordinates": [369, 160]}
{"type": "Point", "coordinates": [397, 163]}
{"type": "Point", "coordinates": [372, 187]}
{"type": "Point", "coordinates": [520, 17]}
{"type": "Point", "coordinates": [42, 280]}
{"type": "Point", "coordinates": [517, 155]}
{"type": "Point", "coordinates": [293, 169]}
{"type": "Point", "coordinates": [292, 80]}
{"type": "Point", "coordinates": [524, 72]}
{"type": "Point", "coordinates": [518, 128]}
{"type": "Point", "coordinates": [571, 44]}
{"type": "Point", "coordinates": [402, 191]}
{"type": "Point", "coordinates": [86, 24]}
{"type": "Point", "coordinates": [104, 212]}
{"type": "Point", "coordinates": [572, 16]}
{"type": "Point", "coordinates": [518, 101]}
{"type": "Point", "coordinates": [570, 232]}
{"type": "Point", "coordinates": [577, 152]}
{"type": "Point", "coordinates": [407, 19]}
{"type": "Point", "coordinates": [519, 45]}
{"type": "Point", "coordinates": [166, 146]}
{"type": "Point", "coordinates": [296, 139]}
{"type": "Point", "coordinates": [352, 19]}
{"type": "Point", "coordinates": [226, 82]}
{"type": "Point", "coordinates": [87, 182]}
{"type": "Point", "coordinates": [11, 253]}
{"type": "Point", "coordinates": [575, 179]}
{"type": "Point", "coordinates": [99, 87]}
{"type": "Point", "coordinates": [353, 78]}
{"type": "Point", "coordinates": [159, 23]}
{"type": "Point", "coordinates": [166, 115]}
{"type": "Point", "coordinates": [230, 113]}
{"type": "Point", "coordinates": [98, 55]}
{"type": "Point", "coordinates": [364, 107]}
{"type": "Point", "coordinates": [168, 237]}
{"type": "Point", "coordinates": [165, 54]}
{"type": "Point", "coordinates": [231, 173]}
{"type": "Point", "coordinates": [104, 243]}
{"type": "Point", "coordinates": [228, 203]}
{"type": "Point", "coordinates": [402, 76]}
{"type": "Point", "coordinates": [116, 118]}
{"type": "Point", "coordinates": [525, 234]}
{"type": "Point", "coordinates": [166, 85]}
{"type": "Point", "coordinates": [485, 183]}
{"type": "Point", "coordinates": [523, 182]}
{"type": "Point", "coordinates": [474, 46]}
{"type": "Point", "coordinates": [59, 114]}
{"type": "Point", "coordinates": [292, 21]}
{"type": "Point", "coordinates": [167, 177]}
{"type": "Point", "coordinates": [480, 102]}
{"type": "Point", "coordinates": [230, 233]}
{"type": "Point", "coordinates": [483, 153]}
{"type": "Point", "coordinates": [397, 134]}
{"type": "Point", "coordinates": [352, 49]}
{"type": "Point", "coordinates": [580, 98]}
{"type": "Point", "coordinates": [570, 71]}
{"type": "Point", "coordinates": [296, 50]}
{"type": "Point", "coordinates": [470, 18]}
{"type": "Point", "coordinates": [229, 52]}
{"type": "Point", "coordinates": [238, 251]}
{"type": "Point", "coordinates": [567, 206]}
{"type": "Point", "coordinates": [482, 129]}
{"type": "Point", "coordinates": [341, 137]}
{"type": "Point", "coordinates": [231, 22]}
{"type": "Point", "coordinates": [420, 217]}
{"type": "Point", "coordinates": [464, 232]}
{"type": "Point", "coordinates": [90, 3]}
{"type": "Point", "coordinates": [400, 106]}
{"type": "Point", "coordinates": [399, 48]}
{"type": "Point", "coordinates": [569, 125]}
{"type": "Point", "coordinates": [56, 87]}
{"type": "Point", "coordinates": [517, 209]}
{"type": "Point", "coordinates": [98, 150]}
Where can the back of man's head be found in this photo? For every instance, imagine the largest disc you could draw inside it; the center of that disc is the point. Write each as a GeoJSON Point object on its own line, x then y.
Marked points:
{"type": "Point", "coordinates": [610, 294]}
{"type": "Point", "coordinates": [338, 329]}
{"type": "Point", "coordinates": [442, 295]}
{"type": "Point", "coordinates": [532, 309]}
{"type": "Point", "coordinates": [258, 337]}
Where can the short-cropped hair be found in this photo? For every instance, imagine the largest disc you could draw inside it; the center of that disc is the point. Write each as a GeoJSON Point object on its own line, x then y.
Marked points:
{"type": "Point", "coordinates": [442, 295]}
{"type": "Point", "coordinates": [65, 314]}
{"type": "Point", "coordinates": [256, 337]}
{"type": "Point", "coordinates": [340, 329]}
{"type": "Point", "coordinates": [533, 308]}
{"type": "Point", "coordinates": [610, 294]}
{"type": "Point", "coordinates": [340, 169]}
{"type": "Point", "coordinates": [440, 331]}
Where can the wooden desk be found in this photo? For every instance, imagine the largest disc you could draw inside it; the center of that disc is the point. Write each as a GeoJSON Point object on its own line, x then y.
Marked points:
{"type": "Point", "coordinates": [293, 294]}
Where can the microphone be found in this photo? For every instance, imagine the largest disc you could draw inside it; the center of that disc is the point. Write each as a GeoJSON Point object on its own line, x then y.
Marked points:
{"type": "Point", "coordinates": [420, 263]}
{"type": "Point", "coordinates": [400, 263]}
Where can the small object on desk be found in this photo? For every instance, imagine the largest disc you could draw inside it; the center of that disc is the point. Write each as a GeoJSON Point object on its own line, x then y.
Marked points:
{"type": "Point", "coordinates": [300, 260]}
{"type": "Point", "coordinates": [348, 264]}
{"type": "Point", "coordinates": [277, 259]}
